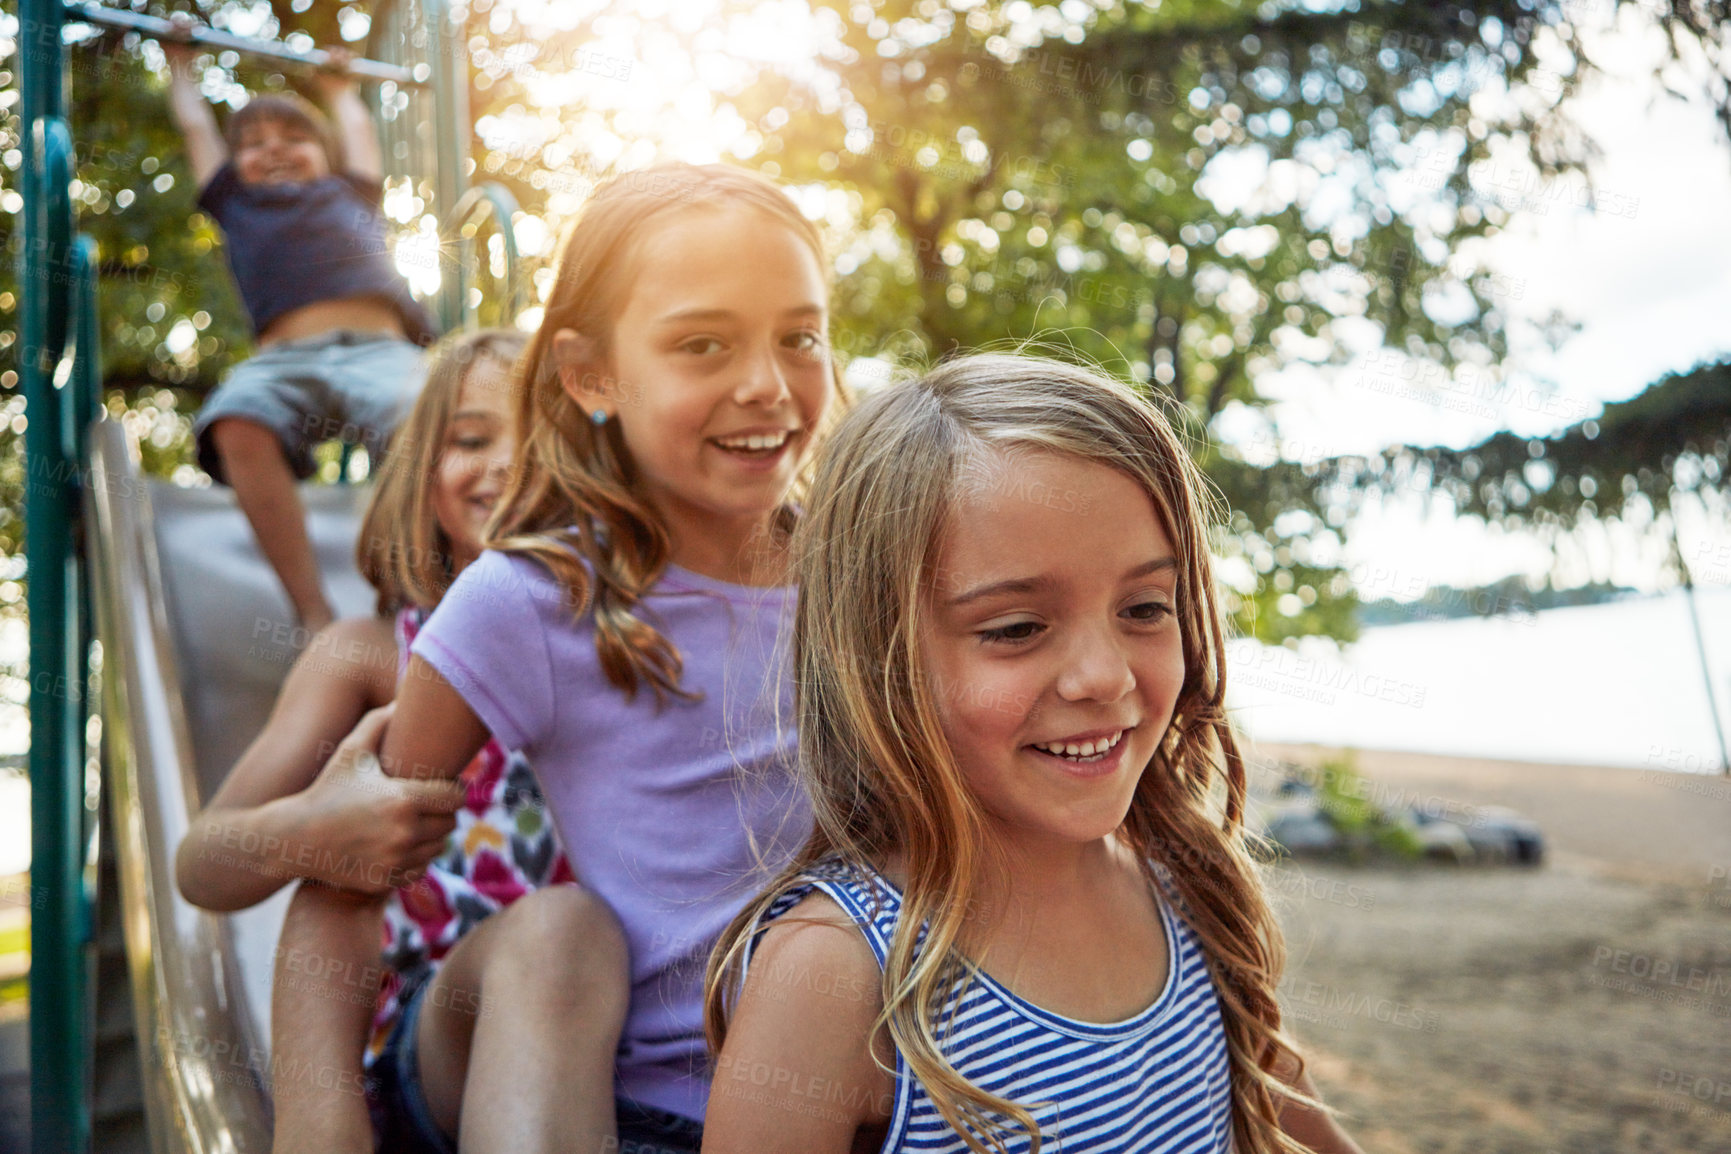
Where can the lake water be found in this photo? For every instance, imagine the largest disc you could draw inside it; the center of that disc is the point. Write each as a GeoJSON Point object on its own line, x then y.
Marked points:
{"type": "Point", "coordinates": [1618, 683]}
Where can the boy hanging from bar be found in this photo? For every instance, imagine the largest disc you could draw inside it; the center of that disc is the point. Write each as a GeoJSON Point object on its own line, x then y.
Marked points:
{"type": "Point", "coordinates": [339, 337]}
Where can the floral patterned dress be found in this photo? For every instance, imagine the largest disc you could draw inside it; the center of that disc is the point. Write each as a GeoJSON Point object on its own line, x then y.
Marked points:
{"type": "Point", "coordinates": [504, 846]}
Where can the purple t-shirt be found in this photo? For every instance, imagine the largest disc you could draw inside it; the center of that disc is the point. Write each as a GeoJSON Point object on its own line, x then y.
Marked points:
{"type": "Point", "coordinates": [675, 815]}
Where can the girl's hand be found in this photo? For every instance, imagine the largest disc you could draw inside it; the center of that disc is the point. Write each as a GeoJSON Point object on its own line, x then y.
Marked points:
{"type": "Point", "coordinates": [359, 829]}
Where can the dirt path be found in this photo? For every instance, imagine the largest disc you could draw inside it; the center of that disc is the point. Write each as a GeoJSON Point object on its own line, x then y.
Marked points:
{"type": "Point", "coordinates": [1581, 1008]}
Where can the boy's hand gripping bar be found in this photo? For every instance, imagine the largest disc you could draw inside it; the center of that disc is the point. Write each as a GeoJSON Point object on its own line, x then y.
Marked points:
{"type": "Point", "coordinates": [160, 29]}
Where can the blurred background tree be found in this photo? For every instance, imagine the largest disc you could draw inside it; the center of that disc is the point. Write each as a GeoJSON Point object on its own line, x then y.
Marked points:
{"type": "Point", "coordinates": [1072, 172]}
{"type": "Point", "coordinates": [1066, 168]}
{"type": "Point", "coordinates": [1636, 462]}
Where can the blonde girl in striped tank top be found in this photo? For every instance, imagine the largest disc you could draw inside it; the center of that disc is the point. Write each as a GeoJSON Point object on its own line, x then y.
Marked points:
{"type": "Point", "coordinates": [1027, 920]}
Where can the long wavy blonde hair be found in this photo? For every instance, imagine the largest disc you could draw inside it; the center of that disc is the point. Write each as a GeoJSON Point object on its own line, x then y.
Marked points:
{"type": "Point", "coordinates": [574, 502]}
{"type": "Point", "coordinates": [402, 550]}
{"type": "Point", "coordinates": [883, 780]}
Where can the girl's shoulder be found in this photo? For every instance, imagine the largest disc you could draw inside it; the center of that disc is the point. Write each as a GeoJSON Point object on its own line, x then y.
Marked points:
{"type": "Point", "coordinates": [350, 630]}
{"type": "Point", "coordinates": [520, 573]}
{"type": "Point", "coordinates": [810, 906]}
{"type": "Point", "coordinates": [845, 895]}
{"type": "Point", "coordinates": [813, 951]}
{"type": "Point", "coordinates": [810, 1002]}
{"type": "Point", "coordinates": [517, 565]}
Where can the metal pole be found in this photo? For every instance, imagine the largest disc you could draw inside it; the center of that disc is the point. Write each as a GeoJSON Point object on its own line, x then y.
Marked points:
{"type": "Point", "coordinates": [1700, 647]}
{"type": "Point", "coordinates": [161, 29]}
{"type": "Point", "coordinates": [59, 1065]}
{"type": "Point", "coordinates": [450, 138]}
{"type": "Point", "coordinates": [84, 394]}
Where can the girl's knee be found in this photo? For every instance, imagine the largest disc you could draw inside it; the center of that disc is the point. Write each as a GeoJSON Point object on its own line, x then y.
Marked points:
{"type": "Point", "coordinates": [237, 434]}
{"type": "Point", "coordinates": [323, 914]}
{"type": "Point", "coordinates": [566, 916]}
{"type": "Point", "coordinates": [565, 935]}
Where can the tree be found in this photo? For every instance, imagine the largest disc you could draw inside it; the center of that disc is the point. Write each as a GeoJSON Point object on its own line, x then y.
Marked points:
{"type": "Point", "coordinates": [1017, 169]}
{"type": "Point", "coordinates": [1633, 462]}
{"type": "Point", "coordinates": [1049, 167]}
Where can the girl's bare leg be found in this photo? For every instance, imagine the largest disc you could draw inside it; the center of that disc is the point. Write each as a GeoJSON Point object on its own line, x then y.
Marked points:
{"type": "Point", "coordinates": [517, 1034]}
{"type": "Point", "coordinates": [327, 980]}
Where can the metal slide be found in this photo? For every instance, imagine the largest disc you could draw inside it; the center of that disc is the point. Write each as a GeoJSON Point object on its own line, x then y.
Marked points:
{"type": "Point", "coordinates": [190, 620]}
{"type": "Point", "coordinates": [195, 644]}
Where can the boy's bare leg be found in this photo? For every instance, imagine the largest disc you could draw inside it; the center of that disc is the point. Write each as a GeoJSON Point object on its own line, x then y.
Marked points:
{"type": "Point", "coordinates": [321, 1005]}
{"type": "Point", "coordinates": [256, 468]}
{"type": "Point", "coordinates": [517, 1035]}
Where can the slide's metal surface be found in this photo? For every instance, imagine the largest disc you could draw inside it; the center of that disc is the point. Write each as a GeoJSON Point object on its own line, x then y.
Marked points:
{"type": "Point", "coordinates": [194, 648]}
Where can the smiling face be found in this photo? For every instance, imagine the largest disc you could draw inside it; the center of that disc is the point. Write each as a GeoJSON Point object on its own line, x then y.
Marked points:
{"type": "Point", "coordinates": [476, 457]}
{"type": "Point", "coordinates": [1054, 642]}
{"type": "Point", "coordinates": [272, 150]}
{"type": "Point", "coordinates": [717, 370]}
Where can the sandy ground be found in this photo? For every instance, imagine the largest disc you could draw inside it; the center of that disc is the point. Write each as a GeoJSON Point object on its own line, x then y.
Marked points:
{"type": "Point", "coordinates": [1583, 1007]}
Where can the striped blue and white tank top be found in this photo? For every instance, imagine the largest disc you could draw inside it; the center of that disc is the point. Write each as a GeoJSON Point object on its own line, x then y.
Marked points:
{"type": "Point", "coordinates": [1156, 1083]}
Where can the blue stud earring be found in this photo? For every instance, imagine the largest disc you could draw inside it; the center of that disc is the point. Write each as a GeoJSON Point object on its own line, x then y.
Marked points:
{"type": "Point", "coordinates": [599, 417]}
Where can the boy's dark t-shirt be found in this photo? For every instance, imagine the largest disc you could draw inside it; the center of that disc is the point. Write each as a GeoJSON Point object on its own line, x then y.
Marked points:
{"type": "Point", "coordinates": [291, 245]}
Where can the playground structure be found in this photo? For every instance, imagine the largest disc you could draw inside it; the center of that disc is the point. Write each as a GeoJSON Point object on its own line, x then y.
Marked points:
{"type": "Point", "coordinates": [158, 638]}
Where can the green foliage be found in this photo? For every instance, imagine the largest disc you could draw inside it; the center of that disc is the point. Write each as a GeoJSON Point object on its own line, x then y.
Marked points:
{"type": "Point", "coordinates": [1013, 172]}
{"type": "Point", "coordinates": [1038, 182]}
{"type": "Point", "coordinates": [1636, 457]}
{"type": "Point", "coordinates": [1019, 174]}
{"type": "Point", "coordinates": [1343, 796]}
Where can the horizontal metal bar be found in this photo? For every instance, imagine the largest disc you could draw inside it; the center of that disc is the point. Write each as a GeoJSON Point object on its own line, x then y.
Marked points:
{"type": "Point", "coordinates": [162, 29]}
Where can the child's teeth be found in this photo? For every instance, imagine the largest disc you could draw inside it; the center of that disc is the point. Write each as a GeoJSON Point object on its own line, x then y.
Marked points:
{"type": "Point", "coordinates": [1082, 749]}
{"type": "Point", "coordinates": [757, 441]}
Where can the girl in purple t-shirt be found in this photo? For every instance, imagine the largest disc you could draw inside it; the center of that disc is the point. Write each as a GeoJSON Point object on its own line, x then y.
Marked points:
{"type": "Point", "coordinates": [624, 632]}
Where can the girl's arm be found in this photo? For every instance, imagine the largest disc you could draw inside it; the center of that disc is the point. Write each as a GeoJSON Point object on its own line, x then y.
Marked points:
{"type": "Point", "coordinates": [1315, 1129]}
{"type": "Point", "coordinates": [796, 1073]}
{"type": "Point", "coordinates": [354, 120]}
{"type": "Point", "coordinates": [205, 150]}
{"type": "Point", "coordinates": [276, 817]}
{"type": "Point", "coordinates": [435, 733]}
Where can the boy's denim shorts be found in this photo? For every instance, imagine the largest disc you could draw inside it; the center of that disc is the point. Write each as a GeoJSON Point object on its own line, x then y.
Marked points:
{"type": "Point", "coordinates": [337, 386]}
{"type": "Point", "coordinates": [403, 1119]}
